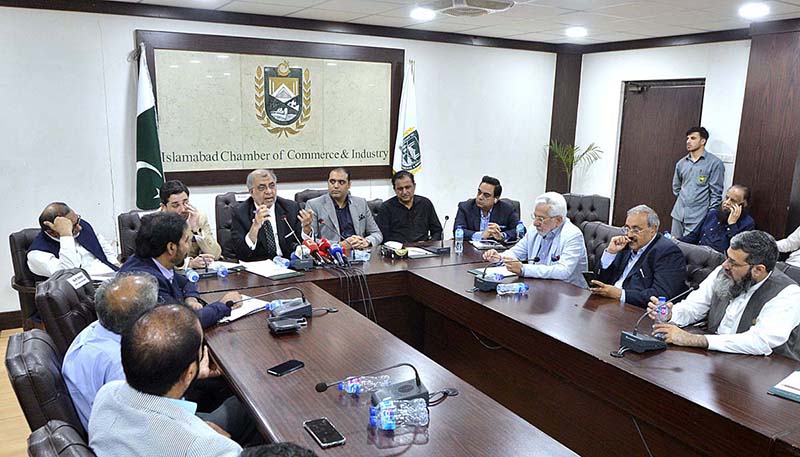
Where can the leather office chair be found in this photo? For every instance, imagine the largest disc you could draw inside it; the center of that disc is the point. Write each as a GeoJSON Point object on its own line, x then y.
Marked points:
{"type": "Point", "coordinates": [375, 206]}
{"type": "Point", "coordinates": [224, 205]}
{"type": "Point", "coordinates": [128, 228]}
{"type": "Point", "coordinates": [65, 310]}
{"type": "Point", "coordinates": [24, 281]}
{"type": "Point", "coordinates": [790, 270]}
{"type": "Point", "coordinates": [516, 205]}
{"type": "Point", "coordinates": [34, 368]}
{"type": "Point", "coordinates": [587, 208]}
{"type": "Point", "coordinates": [305, 195]}
{"type": "Point", "coordinates": [58, 439]}
{"type": "Point", "coordinates": [700, 262]}
{"type": "Point", "coordinates": [596, 236]}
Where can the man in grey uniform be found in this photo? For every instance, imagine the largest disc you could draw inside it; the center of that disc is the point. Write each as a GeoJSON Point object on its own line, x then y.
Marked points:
{"type": "Point", "coordinates": [697, 183]}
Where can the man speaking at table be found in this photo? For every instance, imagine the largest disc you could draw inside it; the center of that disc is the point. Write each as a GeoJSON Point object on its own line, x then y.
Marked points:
{"type": "Point", "coordinates": [641, 263]}
{"type": "Point", "coordinates": [342, 213]}
{"type": "Point", "coordinates": [750, 306]}
{"type": "Point", "coordinates": [262, 225]}
{"type": "Point", "coordinates": [555, 250]}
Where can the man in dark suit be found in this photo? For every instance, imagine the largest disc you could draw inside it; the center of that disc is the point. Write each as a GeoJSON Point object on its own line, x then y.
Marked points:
{"type": "Point", "coordinates": [641, 263]}
{"type": "Point", "coordinates": [162, 244]}
{"type": "Point", "coordinates": [261, 224]}
{"type": "Point", "coordinates": [486, 216]}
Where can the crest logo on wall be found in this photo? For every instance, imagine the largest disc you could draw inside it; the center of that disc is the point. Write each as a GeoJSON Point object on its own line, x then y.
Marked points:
{"type": "Point", "coordinates": [283, 98]}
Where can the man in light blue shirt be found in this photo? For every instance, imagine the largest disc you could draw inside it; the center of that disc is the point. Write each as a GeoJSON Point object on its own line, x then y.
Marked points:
{"type": "Point", "coordinates": [554, 250]}
{"type": "Point", "coordinates": [162, 354]}
{"type": "Point", "coordinates": [93, 358]}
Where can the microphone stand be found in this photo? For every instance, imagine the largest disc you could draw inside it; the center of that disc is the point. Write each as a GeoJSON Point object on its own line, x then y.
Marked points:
{"type": "Point", "coordinates": [406, 390]}
{"type": "Point", "coordinates": [303, 263]}
{"type": "Point", "coordinates": [442, 250]}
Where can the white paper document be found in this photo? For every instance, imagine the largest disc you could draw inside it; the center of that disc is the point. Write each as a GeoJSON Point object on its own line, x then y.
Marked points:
{"type": "Point", "coordinates": [249, 305]}
{"type": "Point", "coordinates": [266, 268]}
{"type": "Point", "coordinates": [501, 270]}
{"type": "Point", "coordinates": [418, 253]}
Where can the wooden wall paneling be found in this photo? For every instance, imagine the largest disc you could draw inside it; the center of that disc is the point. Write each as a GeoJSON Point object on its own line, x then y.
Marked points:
{"type": "Point", "coordinates": [564, 115]}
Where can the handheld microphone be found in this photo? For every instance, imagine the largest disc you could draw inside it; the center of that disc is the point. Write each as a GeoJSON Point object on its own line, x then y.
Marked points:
{"type": "Point", "coordinates": [325, 249]}
{"type": "Point", "coordinates": [406, 390]}
{"type": "Point", "coordinates": [633, 341]}
{"type": "Point", "coordinates": [441, 250]}
{"type": "Point", "coordinates": [314, 250]}
{"type": "Point", "coordinates": [337, 254]}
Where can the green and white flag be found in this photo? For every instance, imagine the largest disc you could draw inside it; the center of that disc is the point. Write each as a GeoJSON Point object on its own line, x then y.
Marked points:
{"type": "Point", "coordinates": [407, 152]}
{"type": "Point", "coordinates": [149, 172]}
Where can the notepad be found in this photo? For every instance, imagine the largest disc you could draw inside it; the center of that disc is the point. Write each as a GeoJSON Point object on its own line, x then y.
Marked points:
{"type": "Point", "coordinates": [789, 388]}
{"type": "Point", "coordinates": [249, 305]}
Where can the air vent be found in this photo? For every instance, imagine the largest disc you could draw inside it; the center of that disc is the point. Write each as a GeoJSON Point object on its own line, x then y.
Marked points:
{"type": "Point", "coordinates": [469, 8]}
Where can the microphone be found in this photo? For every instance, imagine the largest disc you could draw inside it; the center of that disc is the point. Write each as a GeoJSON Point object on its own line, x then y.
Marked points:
{"type": "Point", "coordinates": [536, 259]}
{"type": "Point", "coordinates": [337, 254]}
{"type": "Point", "coordinates": [406, 390]}
{"type": "Point", "coordinates": [341, 238]}
{"type": "Point", "coordinates": [230, 303]}
{"type": "Point", "coordinates": [441, 250]}
{"type": "Point", "coordinates": [314, 248]}
{"type": "Point", "coordinates": [633, 341]}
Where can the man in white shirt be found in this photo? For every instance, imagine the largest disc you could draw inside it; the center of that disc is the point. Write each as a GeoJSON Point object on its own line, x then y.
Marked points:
{"type": "Point", "coordinates": [67, 241]}
{"type": "Point", "coordinates": [555, 250]}
{"type": "Point", "coordinates": [751, 307]}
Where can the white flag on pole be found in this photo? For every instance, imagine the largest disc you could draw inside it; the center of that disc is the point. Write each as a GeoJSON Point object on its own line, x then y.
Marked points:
{"type": "Point", "coordinates": [407, 152]}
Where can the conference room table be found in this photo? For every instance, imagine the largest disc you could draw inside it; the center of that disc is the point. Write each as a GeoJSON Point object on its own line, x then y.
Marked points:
{"type": "Point", "coordinates": [344, 343]}
{"type": "Point", "coordinates": [546, 356]}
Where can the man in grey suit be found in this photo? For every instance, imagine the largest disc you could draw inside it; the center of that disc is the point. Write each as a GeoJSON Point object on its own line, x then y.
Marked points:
{"type": "Point", "coordinates": [327, 216]}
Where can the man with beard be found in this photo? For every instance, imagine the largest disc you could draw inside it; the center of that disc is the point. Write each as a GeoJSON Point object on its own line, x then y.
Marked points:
{"type": "Point", "coordinates": [203, 247]}
{"type": "Point", "coordinates": [641, 263]}
{"type": "Point", "coordinates": [555, 250]}
{"type": "Point", "coordinates": [723, 223]}
{"type": "Point", "coordinates": [697, 183]}
{"type": "Point", "coordinates": [751, 307]}
{"type": "Point", "coordinates": [162, 244]}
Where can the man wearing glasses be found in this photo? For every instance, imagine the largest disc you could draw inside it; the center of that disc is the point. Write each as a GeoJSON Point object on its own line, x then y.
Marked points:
{"type": "Point", "coordinates": [67, 241]}
{"type": "Point", "coordinates": [641, 263]}
{"type": "Point", "coordinates": [486, 217]}
{"type": "Point", "coordinates": [555, 250]}
{"type": "Point", "coordinates": [262, 225]}
{"type": "Point", "coordinates": [342, 214]}
{"type": "Point", "coordinates": [750, 306]}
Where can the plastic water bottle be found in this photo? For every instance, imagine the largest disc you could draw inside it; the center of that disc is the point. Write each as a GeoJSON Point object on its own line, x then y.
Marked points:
{"type": "Point", "coordinates": [191, 275]}
{"type": "Point", "coordinates": [281, 262]}
{"type": "Point", "coordinates": [667, 235]}
{"type": "Point", "coordinates": [513, 288]}
{"type": "Point", "coordinates": [459, 240]}
{"type": "Point", "coordinates": [662, 310]}
{"type": "Point", "coordinates": [391, 414]}
{"type": "Point", "coordinates": [520, 230]}
{"type": "Point", "coordinates": [358, 385]}
{"type": "Point", "coordinates": [222, 270]}
{"type": "Point", "coordinates": [281, 302]}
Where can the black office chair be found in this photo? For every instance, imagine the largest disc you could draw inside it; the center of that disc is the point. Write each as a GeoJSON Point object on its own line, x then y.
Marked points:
{"type": "Point", "coordinates": [58, 439]}
{"type": "Point", "coordinates": [375, 206]}
{"type": "Point", "coordinates": [305, 195]}
{"type": "Point", "coordinates": [128, 226]}
{"type": "Point", "coordinates": [790, 270]}
{"type": "Point", "coordinates": [65, 310]}
{"type": "Point", "coordinates": [596, 236]}
{"type": "Point", "coordinates": [700, 262]}
{"type": "Point", "coordinates": [24, 281]}
{"type": "Point", "coordinates": [224, 205]}
{"type": "Point", "coordinates": [587, 208]}
{"type": "Point", "coordinates": [515, 204]}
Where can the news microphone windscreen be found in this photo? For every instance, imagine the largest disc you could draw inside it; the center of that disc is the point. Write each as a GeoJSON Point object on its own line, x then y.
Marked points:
{"type": "Point", "coordinates": [321, 387]}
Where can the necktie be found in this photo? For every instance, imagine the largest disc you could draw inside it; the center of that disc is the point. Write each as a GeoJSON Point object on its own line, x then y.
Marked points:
{"type": "Point", "coordinates": [272, 249]}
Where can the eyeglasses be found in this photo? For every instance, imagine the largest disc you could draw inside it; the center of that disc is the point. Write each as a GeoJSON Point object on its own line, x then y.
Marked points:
{"type": "Point", "coordinates": [632, 230]}
{"type": "Point", "coordinates": [264, 187]}
{"type": "Point", "coordinates": [541, 219]}
{"type": "Point", "coordinates": [734, 264]}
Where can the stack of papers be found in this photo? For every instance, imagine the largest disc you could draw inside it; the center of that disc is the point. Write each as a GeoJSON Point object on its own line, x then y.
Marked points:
{"type": "Point", "coordinates": [418, 253]}
{"type": "Point", "coordinates": [501, 270]}
{"type": "Point", "coordinates": [269, 269]}
{"type": "Point", "coordinates": [250, 305]}
{"type": "Point", "coordinates": [789, 388]}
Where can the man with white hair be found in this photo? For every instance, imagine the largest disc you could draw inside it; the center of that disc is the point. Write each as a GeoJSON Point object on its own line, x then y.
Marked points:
{"type": "Point", "coordinates": [554, 250]}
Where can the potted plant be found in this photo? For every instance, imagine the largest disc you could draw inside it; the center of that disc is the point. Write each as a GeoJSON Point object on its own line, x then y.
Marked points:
{"type": "Point", "coordinates": [571, 156]}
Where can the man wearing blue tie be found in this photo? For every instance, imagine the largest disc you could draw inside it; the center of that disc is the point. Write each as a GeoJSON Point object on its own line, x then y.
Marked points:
{"type": "Point", "coordinates": [640, 263]}
{"type": "Point", "coordinates": [554, 250]}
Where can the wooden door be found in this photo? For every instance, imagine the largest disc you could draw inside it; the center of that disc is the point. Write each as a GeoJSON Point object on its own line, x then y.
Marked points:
{"type": "Point", "coordinates": [655, 117]}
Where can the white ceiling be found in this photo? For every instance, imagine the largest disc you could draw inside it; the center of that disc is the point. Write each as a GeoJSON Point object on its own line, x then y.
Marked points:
{"type": "Point", "coordinates": [530, 20]}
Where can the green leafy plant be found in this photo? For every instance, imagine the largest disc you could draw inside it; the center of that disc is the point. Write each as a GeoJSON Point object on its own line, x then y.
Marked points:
{"type": "Point", "coordinates": [571, 156]}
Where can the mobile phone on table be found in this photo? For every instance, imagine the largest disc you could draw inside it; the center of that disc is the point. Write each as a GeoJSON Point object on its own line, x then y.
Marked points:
{"type": "Point", "coordinates": [286, 367]}
{"type": "Point", "coordinates": [589, 276]}
{"type": "Point", "coordinates": [324, 433]}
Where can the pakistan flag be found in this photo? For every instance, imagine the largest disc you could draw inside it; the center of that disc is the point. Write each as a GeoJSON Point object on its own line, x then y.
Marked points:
{"type": "Point", "coordinates": [149, 172]}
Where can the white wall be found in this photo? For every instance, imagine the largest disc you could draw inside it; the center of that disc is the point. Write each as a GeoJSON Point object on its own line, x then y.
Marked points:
{"type": "Point", "coordinates": [723, 65]}
{"type": "Point", "coordinates": [68, 113]}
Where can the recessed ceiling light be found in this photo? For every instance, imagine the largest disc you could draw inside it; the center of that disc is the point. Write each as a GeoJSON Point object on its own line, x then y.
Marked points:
{"type": "Point", "coordinates": [331, 64]}
{"type": "Point", "coordinates": [174, 66]}
{"type": "Point", "coordinates": [194, 61]}
{"type": "Point", "coordinates": [753, 10]}
{"type": "Point", "coordinates": [576, 32]}
{"type": "Point", "coordinates": [223, 56]}
{"type": "Point", "coordinates": [422, 14]}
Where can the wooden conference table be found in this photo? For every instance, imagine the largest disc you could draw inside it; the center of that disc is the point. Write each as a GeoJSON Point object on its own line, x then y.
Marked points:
{"type": "Point", "coordinates": [546, 356]}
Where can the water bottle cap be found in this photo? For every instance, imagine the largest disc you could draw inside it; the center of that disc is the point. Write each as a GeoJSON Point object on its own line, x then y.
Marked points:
{"type": "Point", "coordinates": [664, 299]}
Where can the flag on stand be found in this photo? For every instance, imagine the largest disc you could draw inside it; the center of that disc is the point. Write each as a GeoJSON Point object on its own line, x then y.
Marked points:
{"type": "Point", "coordinates": [149, 172]}
{"type": "Point", "coordinates": [407, 152]}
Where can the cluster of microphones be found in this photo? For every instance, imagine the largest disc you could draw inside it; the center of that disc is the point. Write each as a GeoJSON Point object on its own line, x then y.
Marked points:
{"type": "Point", "coordinates": [320, 253]}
